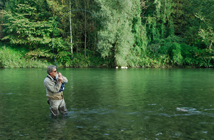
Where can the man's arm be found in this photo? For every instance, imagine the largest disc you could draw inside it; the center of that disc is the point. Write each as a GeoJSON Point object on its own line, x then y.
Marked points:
{"type": "Point", "coordinates": [50, 85]}
{"type": "Point", "coordinates": [64, 80]}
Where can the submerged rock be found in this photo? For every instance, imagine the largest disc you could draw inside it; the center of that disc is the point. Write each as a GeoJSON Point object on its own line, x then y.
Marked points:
{"type": "Point", "coordinates": [181, 109]}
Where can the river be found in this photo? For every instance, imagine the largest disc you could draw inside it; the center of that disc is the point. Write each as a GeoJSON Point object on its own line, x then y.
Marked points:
{"type": "Point", "coordinates": [138, 104]}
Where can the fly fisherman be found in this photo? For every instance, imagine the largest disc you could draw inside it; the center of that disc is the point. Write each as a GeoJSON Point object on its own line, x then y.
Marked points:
{"type": "Point", "coordinates": [54, 84]}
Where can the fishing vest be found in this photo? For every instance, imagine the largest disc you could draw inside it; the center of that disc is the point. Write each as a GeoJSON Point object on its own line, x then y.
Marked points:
{"type": "Point", "coordinates": [62, 88]}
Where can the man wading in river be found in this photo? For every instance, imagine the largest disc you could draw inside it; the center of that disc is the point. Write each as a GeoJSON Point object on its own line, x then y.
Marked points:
{"type": "Point", "coordinates": [54, 84]}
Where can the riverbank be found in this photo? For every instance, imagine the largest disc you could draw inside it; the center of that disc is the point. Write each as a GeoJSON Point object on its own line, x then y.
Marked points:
{"type": "Point", "coordinates": [14, 57]}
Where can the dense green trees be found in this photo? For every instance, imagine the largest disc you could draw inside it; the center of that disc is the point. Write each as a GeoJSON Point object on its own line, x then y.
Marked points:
{"type": "Point", "coordinates": [155, 33]}
{"type": "Point", "coordinates": [28, 24]}
{"type": "Point", "coordinates": [117, 37]}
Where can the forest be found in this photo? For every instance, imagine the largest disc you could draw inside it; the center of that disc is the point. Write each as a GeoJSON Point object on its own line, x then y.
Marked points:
{"type": "Point", "coordinates": [107, 33]}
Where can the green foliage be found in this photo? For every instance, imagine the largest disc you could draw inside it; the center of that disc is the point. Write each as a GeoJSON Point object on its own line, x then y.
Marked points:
{"type": "Point", "coordinates": [175, 54]}
{"type": "Point", "coordinates": [139, 32]}
{"type": "Point", "coordinates": [28, 26]}
{"type": "Point", "coordinates": [22, 28]}
{"type": "Point", "coordinates": [195, 56]}
{"type": "Point", "coordinates": [189, 21]}
{"type": "Point", "coordinates": [207, 36]}
{"type": "Point", "coordinates": [11, 58]}
{"type": "Point", "coordinates": [79, 61]}
{"type": "Point", "coordinates": [116, 39]}
{"type": "Point", "coordinates": [159, 23]}
{"type": "Point", "coordinates": [155, 33]}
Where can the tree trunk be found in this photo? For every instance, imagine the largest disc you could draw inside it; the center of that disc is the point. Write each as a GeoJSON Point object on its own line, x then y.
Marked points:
{"type": "Point", "coordinates": [95, 38]}
{"type": "Point", "coordinates": [95, 45]}
{"type": "Point", "coordinates": [85, 33]}
{"type": "Point", "coordinates": [210, 45]}
{"type": "Point", "coordinates": [1, 27]}
{"type": "Point", "coordinates": [70, 29]}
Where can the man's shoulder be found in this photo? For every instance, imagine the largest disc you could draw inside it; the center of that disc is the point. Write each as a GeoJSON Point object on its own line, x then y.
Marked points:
{"type": "Point", "coordinates": [47, 79]}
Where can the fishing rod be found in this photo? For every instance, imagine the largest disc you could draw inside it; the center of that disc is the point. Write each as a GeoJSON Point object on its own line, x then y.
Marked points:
{"type": "Point", "coordinates": [57, 24]}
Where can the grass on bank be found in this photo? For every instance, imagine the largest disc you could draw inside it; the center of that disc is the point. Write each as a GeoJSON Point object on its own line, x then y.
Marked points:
{"type": "Point", "coordinates": [10, 58]}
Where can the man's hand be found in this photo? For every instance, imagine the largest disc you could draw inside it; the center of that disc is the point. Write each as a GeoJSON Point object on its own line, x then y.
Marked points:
{"type": "Point", "coordinates": [60, 79]}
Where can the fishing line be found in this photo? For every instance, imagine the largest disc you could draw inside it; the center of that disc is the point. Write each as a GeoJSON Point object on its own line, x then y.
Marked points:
{"type": "Point", "coordinates": [57, 24]}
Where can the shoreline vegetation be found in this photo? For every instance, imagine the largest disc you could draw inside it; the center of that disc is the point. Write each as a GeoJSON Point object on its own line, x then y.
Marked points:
{"type": "Point", "coordinates": [119, 33]}
{"type": "Point", "coordinates": [13, 58]}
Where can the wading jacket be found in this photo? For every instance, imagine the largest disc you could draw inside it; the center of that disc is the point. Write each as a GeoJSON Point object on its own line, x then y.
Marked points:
{"type": "Point", "coordinates": [53, 86]}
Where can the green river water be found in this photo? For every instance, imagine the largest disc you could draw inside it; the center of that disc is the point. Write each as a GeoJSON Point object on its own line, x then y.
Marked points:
{"type": "Point", "coordinates": [110, 104]}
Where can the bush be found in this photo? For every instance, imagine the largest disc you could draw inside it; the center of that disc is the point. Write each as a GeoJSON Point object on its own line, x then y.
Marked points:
{"type": "Point", "coordinates": [196, 56]}
{"type": "Point", "coordinates": [79, 61]}
{"type": "Point", "coordinates": [175, 54]}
